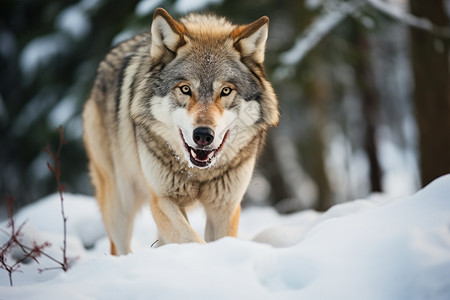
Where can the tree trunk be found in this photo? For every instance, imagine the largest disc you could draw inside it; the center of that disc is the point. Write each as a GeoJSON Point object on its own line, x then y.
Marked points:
{"type": "Point", "coordinates": [370, 105]}
{"type": "Point", "coordinates": [318, 95]}
{"type": "Point", "coordinates": [430, 63]}
{"type": "Point", "coordinates": [279, 188]}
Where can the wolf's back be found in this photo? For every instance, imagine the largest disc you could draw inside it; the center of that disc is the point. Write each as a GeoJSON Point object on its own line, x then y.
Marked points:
{"type": "Point", "coordinates": [106, 91]}
{"type": "Point", "coordinates": [106, 137]}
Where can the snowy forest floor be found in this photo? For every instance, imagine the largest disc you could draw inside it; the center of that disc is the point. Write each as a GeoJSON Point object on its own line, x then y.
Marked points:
{"type": "Point", "coordinates": [377, 248]}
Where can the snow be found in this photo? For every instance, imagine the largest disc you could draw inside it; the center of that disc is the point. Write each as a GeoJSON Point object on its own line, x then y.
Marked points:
{"type": "Point", "coordinates": [72, 24]}
{"type": "Point", "coordinates": [146, 7]}
{"type": "Point", "coordinates": [74, 21]}
{"type": "Point", "coordinates": [376, 248]}
{"type": "Point", "coordinates": [63, 111]}
{"type": "Point", "coordinates": [332, 14]}
{"type": "Point", "coordinates": [398, 11]}
{"type": "Point", "coordinates": [313, 4]}
{"type": "Point", "coordinates": [123, 36]}
{"type": "Point", "coordinates": [185, 6]}
{"type": "Point", "coordinates": [34, 109]}
{"type": "Point", "coordinates": [40, 51]}
{"type": "Point", "coordinates": [400, 167]}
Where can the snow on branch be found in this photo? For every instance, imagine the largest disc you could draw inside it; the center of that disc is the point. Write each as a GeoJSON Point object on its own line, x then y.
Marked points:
{"type": "Point", "coordinates": [333, 13]}
{"type": "Point", "coordinates": [402, 16]}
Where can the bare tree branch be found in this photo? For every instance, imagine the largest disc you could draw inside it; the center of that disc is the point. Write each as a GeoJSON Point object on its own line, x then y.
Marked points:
{"type": "Point", "coordinates": [333, 13]}
{"type": "Point", "coordinates": [402, 16]}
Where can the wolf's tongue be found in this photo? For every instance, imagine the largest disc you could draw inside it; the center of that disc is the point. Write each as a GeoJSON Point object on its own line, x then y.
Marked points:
{"type": "Point", "coordinates": [200, 154]}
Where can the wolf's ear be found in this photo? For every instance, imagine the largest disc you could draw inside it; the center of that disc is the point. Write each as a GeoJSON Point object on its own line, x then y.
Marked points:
{"type": "Point", "coordinates": [167, 34]}
{"type": "Point", "coordinates": [250, 40]}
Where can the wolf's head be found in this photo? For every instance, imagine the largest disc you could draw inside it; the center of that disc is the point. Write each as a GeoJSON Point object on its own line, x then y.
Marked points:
{"type": "Point", "coordinates": [209, 90]}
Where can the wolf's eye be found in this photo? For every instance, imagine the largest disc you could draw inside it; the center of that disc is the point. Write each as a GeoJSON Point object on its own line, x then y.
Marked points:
{"type": "Point", "coordinates": [225, 91]}
{"type": "Point", "coordinates": [186, 90]}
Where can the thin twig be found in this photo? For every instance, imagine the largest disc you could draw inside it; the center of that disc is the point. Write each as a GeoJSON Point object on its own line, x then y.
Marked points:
{"type": "Point", "coordinates": [14, 236]}
{"type": "Point", "coordinates": [56, 171]}
{"type": "Point", "coordinates": [14, 240]}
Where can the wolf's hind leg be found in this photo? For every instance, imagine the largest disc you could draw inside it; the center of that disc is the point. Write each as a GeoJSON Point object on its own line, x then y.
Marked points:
{"type": "Point", "coordinates": [118, 216]}
{"type": "Point", "coordinates": [119, 223]}
{"type": "Point", "coordinates": [125, 202]}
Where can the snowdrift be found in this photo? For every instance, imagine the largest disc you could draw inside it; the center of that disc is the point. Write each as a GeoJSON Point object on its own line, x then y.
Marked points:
{"type": "Point", "coordinates": [365, 249]}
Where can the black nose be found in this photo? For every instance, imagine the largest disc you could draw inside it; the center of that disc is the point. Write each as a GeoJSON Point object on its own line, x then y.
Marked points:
{"type": "Point", "coordinates": [203, 136]}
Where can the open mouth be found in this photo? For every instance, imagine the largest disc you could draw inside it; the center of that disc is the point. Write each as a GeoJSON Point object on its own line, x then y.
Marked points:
{"type": "Point", "coordinates": [202, 157]}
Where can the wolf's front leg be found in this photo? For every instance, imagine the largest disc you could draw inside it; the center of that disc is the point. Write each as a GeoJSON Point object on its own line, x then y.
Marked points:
{"type": "Point", "coordinates": [221, 222]}
{"type": "Point", "coordinates": [173, 226]}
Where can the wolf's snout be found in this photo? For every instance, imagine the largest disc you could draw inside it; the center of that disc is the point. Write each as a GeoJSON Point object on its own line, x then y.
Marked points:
{"type": "Point", "coordinates": [203, 136]}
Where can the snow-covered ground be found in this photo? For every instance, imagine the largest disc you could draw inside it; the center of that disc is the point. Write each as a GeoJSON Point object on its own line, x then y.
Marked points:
{"type": "Point", "coordinates": [365, 249]}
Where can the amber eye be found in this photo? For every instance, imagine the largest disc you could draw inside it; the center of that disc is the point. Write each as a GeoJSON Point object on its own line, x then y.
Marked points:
{"type": "Point", "coordinates": [185, 89]}
{"type": "Point", "coordinates": [225, 91]}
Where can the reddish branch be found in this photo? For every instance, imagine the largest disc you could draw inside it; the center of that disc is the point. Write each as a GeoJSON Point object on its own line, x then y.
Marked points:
{"type": "Point", "coordinates": [15, 234]}
{"type": "Point", "coordinates": [56, 171]}
{"type": "Point", "coordinates": [14, 241]}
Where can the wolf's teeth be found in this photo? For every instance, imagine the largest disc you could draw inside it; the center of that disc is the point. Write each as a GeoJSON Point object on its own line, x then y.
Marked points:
{"type": "Point", "coordinates": [211, 154]}
{"type": "Point", "coordinates": [193, 153]}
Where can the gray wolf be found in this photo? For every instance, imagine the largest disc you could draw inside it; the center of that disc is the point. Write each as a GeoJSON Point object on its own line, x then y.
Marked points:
{"type": "Point", "coordinates": [178, 116]}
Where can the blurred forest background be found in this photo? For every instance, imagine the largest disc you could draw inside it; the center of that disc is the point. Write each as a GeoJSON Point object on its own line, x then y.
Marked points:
{"type": "Point", "coordinates": [363, 88]}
